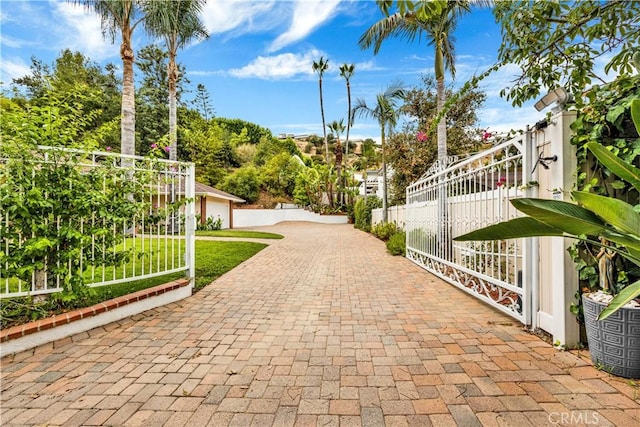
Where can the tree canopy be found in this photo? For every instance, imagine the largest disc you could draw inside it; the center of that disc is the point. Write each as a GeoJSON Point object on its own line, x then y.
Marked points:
{"type": "Point", "coordinates": [567, 43]}
{"type": "Point", "coordinates": [412, 151]}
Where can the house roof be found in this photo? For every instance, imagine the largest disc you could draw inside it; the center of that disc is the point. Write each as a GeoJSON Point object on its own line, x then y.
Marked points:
{"type": "Point", "coordinates": [206, 190]}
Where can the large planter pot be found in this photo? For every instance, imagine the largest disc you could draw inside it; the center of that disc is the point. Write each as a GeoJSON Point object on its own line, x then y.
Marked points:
{"type": "Point", "coordinates": [614, 343]}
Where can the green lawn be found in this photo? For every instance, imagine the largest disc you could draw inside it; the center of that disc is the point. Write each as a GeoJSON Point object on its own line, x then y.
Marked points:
{"type": "Point", "coordinates": [240, 234]}
{"type": "Point", "coordinates": [157, 254]}
{"type": "Point", "coordinates": [150, 255]}
{"type": "Point", "coordinates": [213, 259]}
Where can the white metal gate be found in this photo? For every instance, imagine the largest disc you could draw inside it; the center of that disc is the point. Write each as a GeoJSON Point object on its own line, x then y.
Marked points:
{"type": "Point", "coordinates": [455, 199]}
{"type": "Point", "coordinates": [151, 235]}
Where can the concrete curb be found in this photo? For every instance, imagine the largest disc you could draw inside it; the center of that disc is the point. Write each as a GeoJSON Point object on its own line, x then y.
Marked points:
{"type": "Point", "coordinates": [30, 335]}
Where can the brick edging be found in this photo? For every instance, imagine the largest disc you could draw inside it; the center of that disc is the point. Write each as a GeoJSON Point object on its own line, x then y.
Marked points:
{"type": "Point", "coordinates": [83, 313]}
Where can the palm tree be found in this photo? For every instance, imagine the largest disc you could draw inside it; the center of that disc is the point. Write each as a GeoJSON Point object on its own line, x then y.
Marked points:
{"type": "Point", "coordinates": [439, 29]}
{"type": "Point", "coordinates": [386, 114]}
{"type": "Point", "coordinates": [337, 127]}
{"type": "Point", "coordinates": [178, 22]}
{"type": "Point", "coordinates": [122, 16]}
{"type": "Point", "coordinates": [347, 71]}
{"type": "Point", "coordinates": [320, 67]}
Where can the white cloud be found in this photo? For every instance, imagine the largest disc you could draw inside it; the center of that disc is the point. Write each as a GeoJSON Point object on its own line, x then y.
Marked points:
{"type": "Point", "coordinates": [415, 57]}
{"type": "Point", "coordinates": [220, 16]}
{"type": "Point", "coordinates": [277, 67]}
{"type": "Point", "coordinates": [367, 66]}
{"type": "Point", "coordinates": [503, 118]}
{"type": "Point", "coordinates": [12, 42]}
{"type": "Point", "coordinates": [204, 73]}
{"type": "Point", "coordinates": [11, 69]}
{"type": "Point", "coordinates": [498, 80]}
{"type": "Point", "coordinates": [82, 31]}
{"type": "Point", "coordinates": [5, 17]}
{"type": "Point", "coordinates": [307, 15]}
{"type": "Point", "coordinates": [334, 69]}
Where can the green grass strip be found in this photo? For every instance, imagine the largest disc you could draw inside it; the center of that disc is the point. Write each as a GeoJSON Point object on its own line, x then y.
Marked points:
{"type": "Point", "coordinates": [239, 234]}
{"type": "Point", "coordinates": [213, 259]}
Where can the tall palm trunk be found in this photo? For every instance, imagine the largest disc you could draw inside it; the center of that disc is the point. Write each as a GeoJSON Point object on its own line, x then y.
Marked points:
{"type": "Point", "coordinates": [346, 156]}
{"type": "Point", "coordinates": [348, 119]}
{"type": "Point", "coordinates": [173, 111]}
{"type": "Point", "coordinates": [177, 22]}
{"type": "Point", "coordinates": [440, 95]}
{"type": "Point", "coordinates": [442, 124]}
{"type": "Point", "coordinates": [128, 108]}
{"type": "Point", "coordinates": [172, 76]}
{"type": "Point", "coordinates": [324, 129]}
{"type": "Point", "coordinates": [385, 203]}
{"type": "Point", "coordinates": [339, 172]}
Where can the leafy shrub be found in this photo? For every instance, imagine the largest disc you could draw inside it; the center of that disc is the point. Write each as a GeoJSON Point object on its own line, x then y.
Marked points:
{"type": "Point", "coordinates": [56, 209]}
{"type": "Point", "coordinates": [244, 183]}
{"type": "Point", "coordinates": [397, 243]}
{"type": "Point", "coordinates": [384, 230]}
{"type": "Point", "coordinates": [351, 213]}
{"type": "Point", "coordinates": [363, 212]}
{"type": "Point", "coordinates": [209, 224]}
{"type": "Point", "coordinates": [278, 175]}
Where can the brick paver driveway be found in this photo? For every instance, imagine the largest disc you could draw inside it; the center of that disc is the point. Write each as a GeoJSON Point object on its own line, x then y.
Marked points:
{"type": "Point", "coordinates": [321, 328]}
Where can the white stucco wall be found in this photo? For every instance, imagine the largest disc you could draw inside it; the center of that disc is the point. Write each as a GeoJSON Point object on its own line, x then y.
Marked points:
{"type": "Point", "coordinates": [395, 214]}
{"type": "Point", "coordinates": [261, 217]}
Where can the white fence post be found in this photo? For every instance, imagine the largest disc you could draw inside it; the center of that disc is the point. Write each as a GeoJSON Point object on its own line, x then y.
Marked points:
{"type": "Point", "coordinates": [530, 246]}
{"type": "Point", "coordinates": [190, 224]}
{"type": "Point", "coordinates": [559, 279]}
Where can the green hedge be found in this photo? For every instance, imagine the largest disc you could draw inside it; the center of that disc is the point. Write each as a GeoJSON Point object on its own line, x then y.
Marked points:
{"type": "Point", "coordinates": [363, 210]}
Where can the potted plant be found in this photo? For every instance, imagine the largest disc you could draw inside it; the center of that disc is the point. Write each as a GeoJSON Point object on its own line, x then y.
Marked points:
{"type": "Point", "coordinates": [613, 327]}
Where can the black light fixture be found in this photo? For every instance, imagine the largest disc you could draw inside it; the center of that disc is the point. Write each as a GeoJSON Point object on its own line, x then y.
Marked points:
{"type": "Point", "coordinates": [542, 124]}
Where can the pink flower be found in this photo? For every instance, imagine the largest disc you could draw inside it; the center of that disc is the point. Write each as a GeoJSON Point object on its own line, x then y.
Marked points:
{"type": "Point", "coordinates": [486, 135]}
{"type": "Point", "coordinates": [421, 136]}
{"type": "Point", "coordinates": [501, 181]}
{"type": "Point", "coordinates": [108, 148]}
{"type": "Point", "coordinates": [173, 168]}
{"type": "Point", "coordinates": [167, 149]}
{"type": "Point", "coordinates": [154, 145]}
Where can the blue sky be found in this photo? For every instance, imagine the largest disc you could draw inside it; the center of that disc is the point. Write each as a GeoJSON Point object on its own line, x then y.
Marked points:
{"type": "Point", "coordinates": [257, 62]}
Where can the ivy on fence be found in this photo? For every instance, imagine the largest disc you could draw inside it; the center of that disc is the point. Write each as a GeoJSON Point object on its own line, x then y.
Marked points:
{"type": "Point", "coordinates": [65, 211]}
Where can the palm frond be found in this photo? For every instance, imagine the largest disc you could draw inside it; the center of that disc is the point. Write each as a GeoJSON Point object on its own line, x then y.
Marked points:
{"type": "Point", "coordinates": [114, 15]}
{"type": "Point", "coordinates": [177, 21]}
{"type": "Point", "coordinates": [347, 70]}
{"type": "Point", "coordinates": [320, 66]}
{"type": "Point", "coordinates": [395, 25]}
